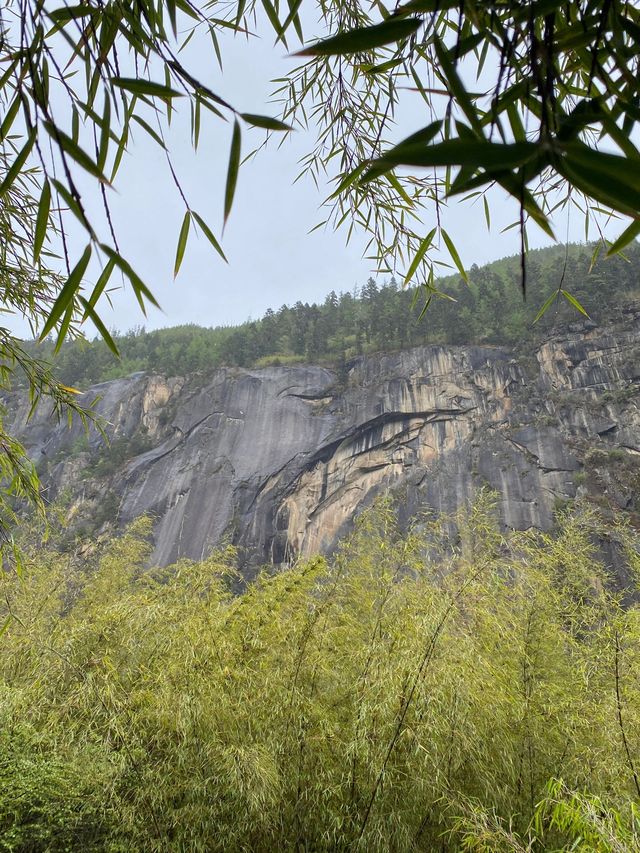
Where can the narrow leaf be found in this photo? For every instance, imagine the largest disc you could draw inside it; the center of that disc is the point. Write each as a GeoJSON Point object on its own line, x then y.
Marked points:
{"type": "Point", "coordinates": [546, 305]}
{"type": "Point", "coordinates": [364, 38]}
{"type": "Point", "coordinates": [145, 87]}
{"type": "Point", "coordinates": [70, 147]}
{"type": "Point", "coordinates": [42, 220]}
{"type": "Point", "coordinates": [89, 311]}
{"type": "Point", "coordinates": [265, 121]}
{"type": "Point", "coordinates": [18, 163]}
{"type": "Point", "coordinates": [573, 301]}
{"type": "Point", "coordinates": [627, 236]}
{"type": "Point", "coordinates": [232, 171]}
{"type": "Point", "coordinates": [140, 289]}
{"type": "Point", "coordinates": [104, 135]}
{"type": "Point", "coordinates": [65, 300]}
{"type": "Point", "coordinates": [422, 250]}
{"type": "Point", "coordinates": [100, 285]}
{"type": "Point", "coordinates": [457, 152]}
{"type": "Point", "coordinates": [9, 118]}
{"type": "Point", "coordinates": [209, 235]}
{"type": "Point", "coordinates": [64, 327]}
{"type": "Point", "coordinates": [454, 255]}
{"type": "Point", "coordinates": [182, 242]}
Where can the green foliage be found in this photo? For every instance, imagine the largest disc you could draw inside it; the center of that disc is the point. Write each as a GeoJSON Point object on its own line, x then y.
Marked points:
{"type": "Point", "coordinates": [411, 694]}
{"type": "Point", "coordinates": [49, 796]}
{"type": "Point", "coordinates": [79, 82]}
{"type": "Point", "coordinates": [489, 310]}
{"type": "Point", "coordinates": [113, 456]}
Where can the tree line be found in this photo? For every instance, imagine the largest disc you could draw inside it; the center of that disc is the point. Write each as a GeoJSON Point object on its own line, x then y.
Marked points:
{"type": "Point", "coordinates": [377, 317]}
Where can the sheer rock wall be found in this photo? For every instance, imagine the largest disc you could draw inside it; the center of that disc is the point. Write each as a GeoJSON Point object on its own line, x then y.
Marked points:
{"type": "Point", "coordinates": [279, 460]}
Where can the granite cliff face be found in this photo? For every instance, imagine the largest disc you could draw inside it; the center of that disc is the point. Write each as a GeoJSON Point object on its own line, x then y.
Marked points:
{"type": "Point", "coordinates": [279, 460]}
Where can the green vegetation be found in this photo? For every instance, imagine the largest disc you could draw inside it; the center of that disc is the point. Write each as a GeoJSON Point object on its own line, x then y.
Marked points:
{"type": "Point", "coordinates": [410, 694]}
{"type": "Point", "coordinates": [552, 127]}
{"type": "Point", "coordinates": [488, 311]}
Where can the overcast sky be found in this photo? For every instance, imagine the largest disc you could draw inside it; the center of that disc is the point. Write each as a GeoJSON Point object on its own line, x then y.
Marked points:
{"type": "Point", "coordinates": [273, 259]}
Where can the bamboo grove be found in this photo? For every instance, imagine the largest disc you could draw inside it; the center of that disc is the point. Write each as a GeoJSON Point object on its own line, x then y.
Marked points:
{"type": "Point", "coordinates": [446, 687]}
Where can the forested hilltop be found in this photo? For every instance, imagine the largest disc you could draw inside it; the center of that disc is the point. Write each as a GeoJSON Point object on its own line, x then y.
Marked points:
{"type": "Point", "coordinates": [489, 310]}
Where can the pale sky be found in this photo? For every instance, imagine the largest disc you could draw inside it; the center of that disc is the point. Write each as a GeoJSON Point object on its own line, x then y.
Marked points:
{"type": "Point", "coordinates": [272, 257]}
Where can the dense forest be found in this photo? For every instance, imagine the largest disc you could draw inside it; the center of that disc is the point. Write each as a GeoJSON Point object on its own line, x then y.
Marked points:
{"type": "Point", "coordinates": [377, 317]}
{"type": "Point", "coordinates": [412, 693]}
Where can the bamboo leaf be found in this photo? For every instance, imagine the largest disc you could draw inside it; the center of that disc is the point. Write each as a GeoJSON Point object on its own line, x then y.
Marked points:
{"type": "Point", "coordinates": [100, 285]}
{"type": "Point", "coordinates": [104, 135]}
{"type": "Point", "coordinates": [364, 38]}
{"type": "Point", "coordinates": [68, 146]}
{"type": "Point", "coordinates": [627, 236]}
{"type": "Point", "coordinates": [65, 301]}
{"type": "Point", "coordinates": [90, 312]}
{"type": "Point", "coordinates": [232, 171]}
{"type": "Point", "coordinates": [274, 20]}
{"type": "Point", "coordinates": [148, 129]}
{"type": "Point", "coordinates": [457, 88]}
{"type": "Point", "coordinates": [16, 167]}
{"type": "Point", "coordinates": [456, 152]}
{"type": "Point", "coordinates": [454, 255]}
{"type": "Point", "coordinates": [9, 118]}
{"type": "Point", "coordinates": [70, 13]}
{"type": "Point", "coordinates": [146, 87]}
{"type": "Point", "coordinates": [573, 301]}
{"type": "Point", "coordinates": [422, 250]}
{"type": "Point", "coordinates": [209, 235]}
{"type": "Point", "coordinates": [182, 242]}
{"type": "Point", "coordinates": [42, 220]}
{"type": "Point", "coordinates": [140, 289]}
{"type": "Point", "coordinates": [265, 122]}
{"type": "Point", "coordinates": [72, 204]}
{"type": "Point", "coordinates": [64, 327]}
{"type": "Point", "coordinates": [546, 305]}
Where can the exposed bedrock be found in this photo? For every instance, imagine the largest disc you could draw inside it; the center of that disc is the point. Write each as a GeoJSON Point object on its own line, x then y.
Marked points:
{"type": "Point", "coordinates": [279, 460]}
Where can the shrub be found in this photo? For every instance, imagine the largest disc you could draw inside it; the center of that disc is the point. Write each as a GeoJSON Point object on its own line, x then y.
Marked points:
{"type": "Point", "coordinates": [408, 694]}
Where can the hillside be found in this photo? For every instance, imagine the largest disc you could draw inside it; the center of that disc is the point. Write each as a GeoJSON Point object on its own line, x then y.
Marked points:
{"type": "Point", "coordinates": [279, 460]}
{"type": "Point", "coordinates": [378, 317]}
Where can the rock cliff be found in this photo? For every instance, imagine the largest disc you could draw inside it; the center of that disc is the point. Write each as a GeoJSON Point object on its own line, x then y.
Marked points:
{"type": "Point", "coordinates": [278, 460]}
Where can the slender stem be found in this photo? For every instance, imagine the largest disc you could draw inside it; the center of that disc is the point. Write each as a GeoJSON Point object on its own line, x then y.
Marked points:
{"type": "Point", "coordinates": [632, 767]}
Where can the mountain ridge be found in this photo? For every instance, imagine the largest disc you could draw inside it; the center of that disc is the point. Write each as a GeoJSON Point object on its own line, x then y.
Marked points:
{"type": "Point", "coordinates": [279, 460]}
